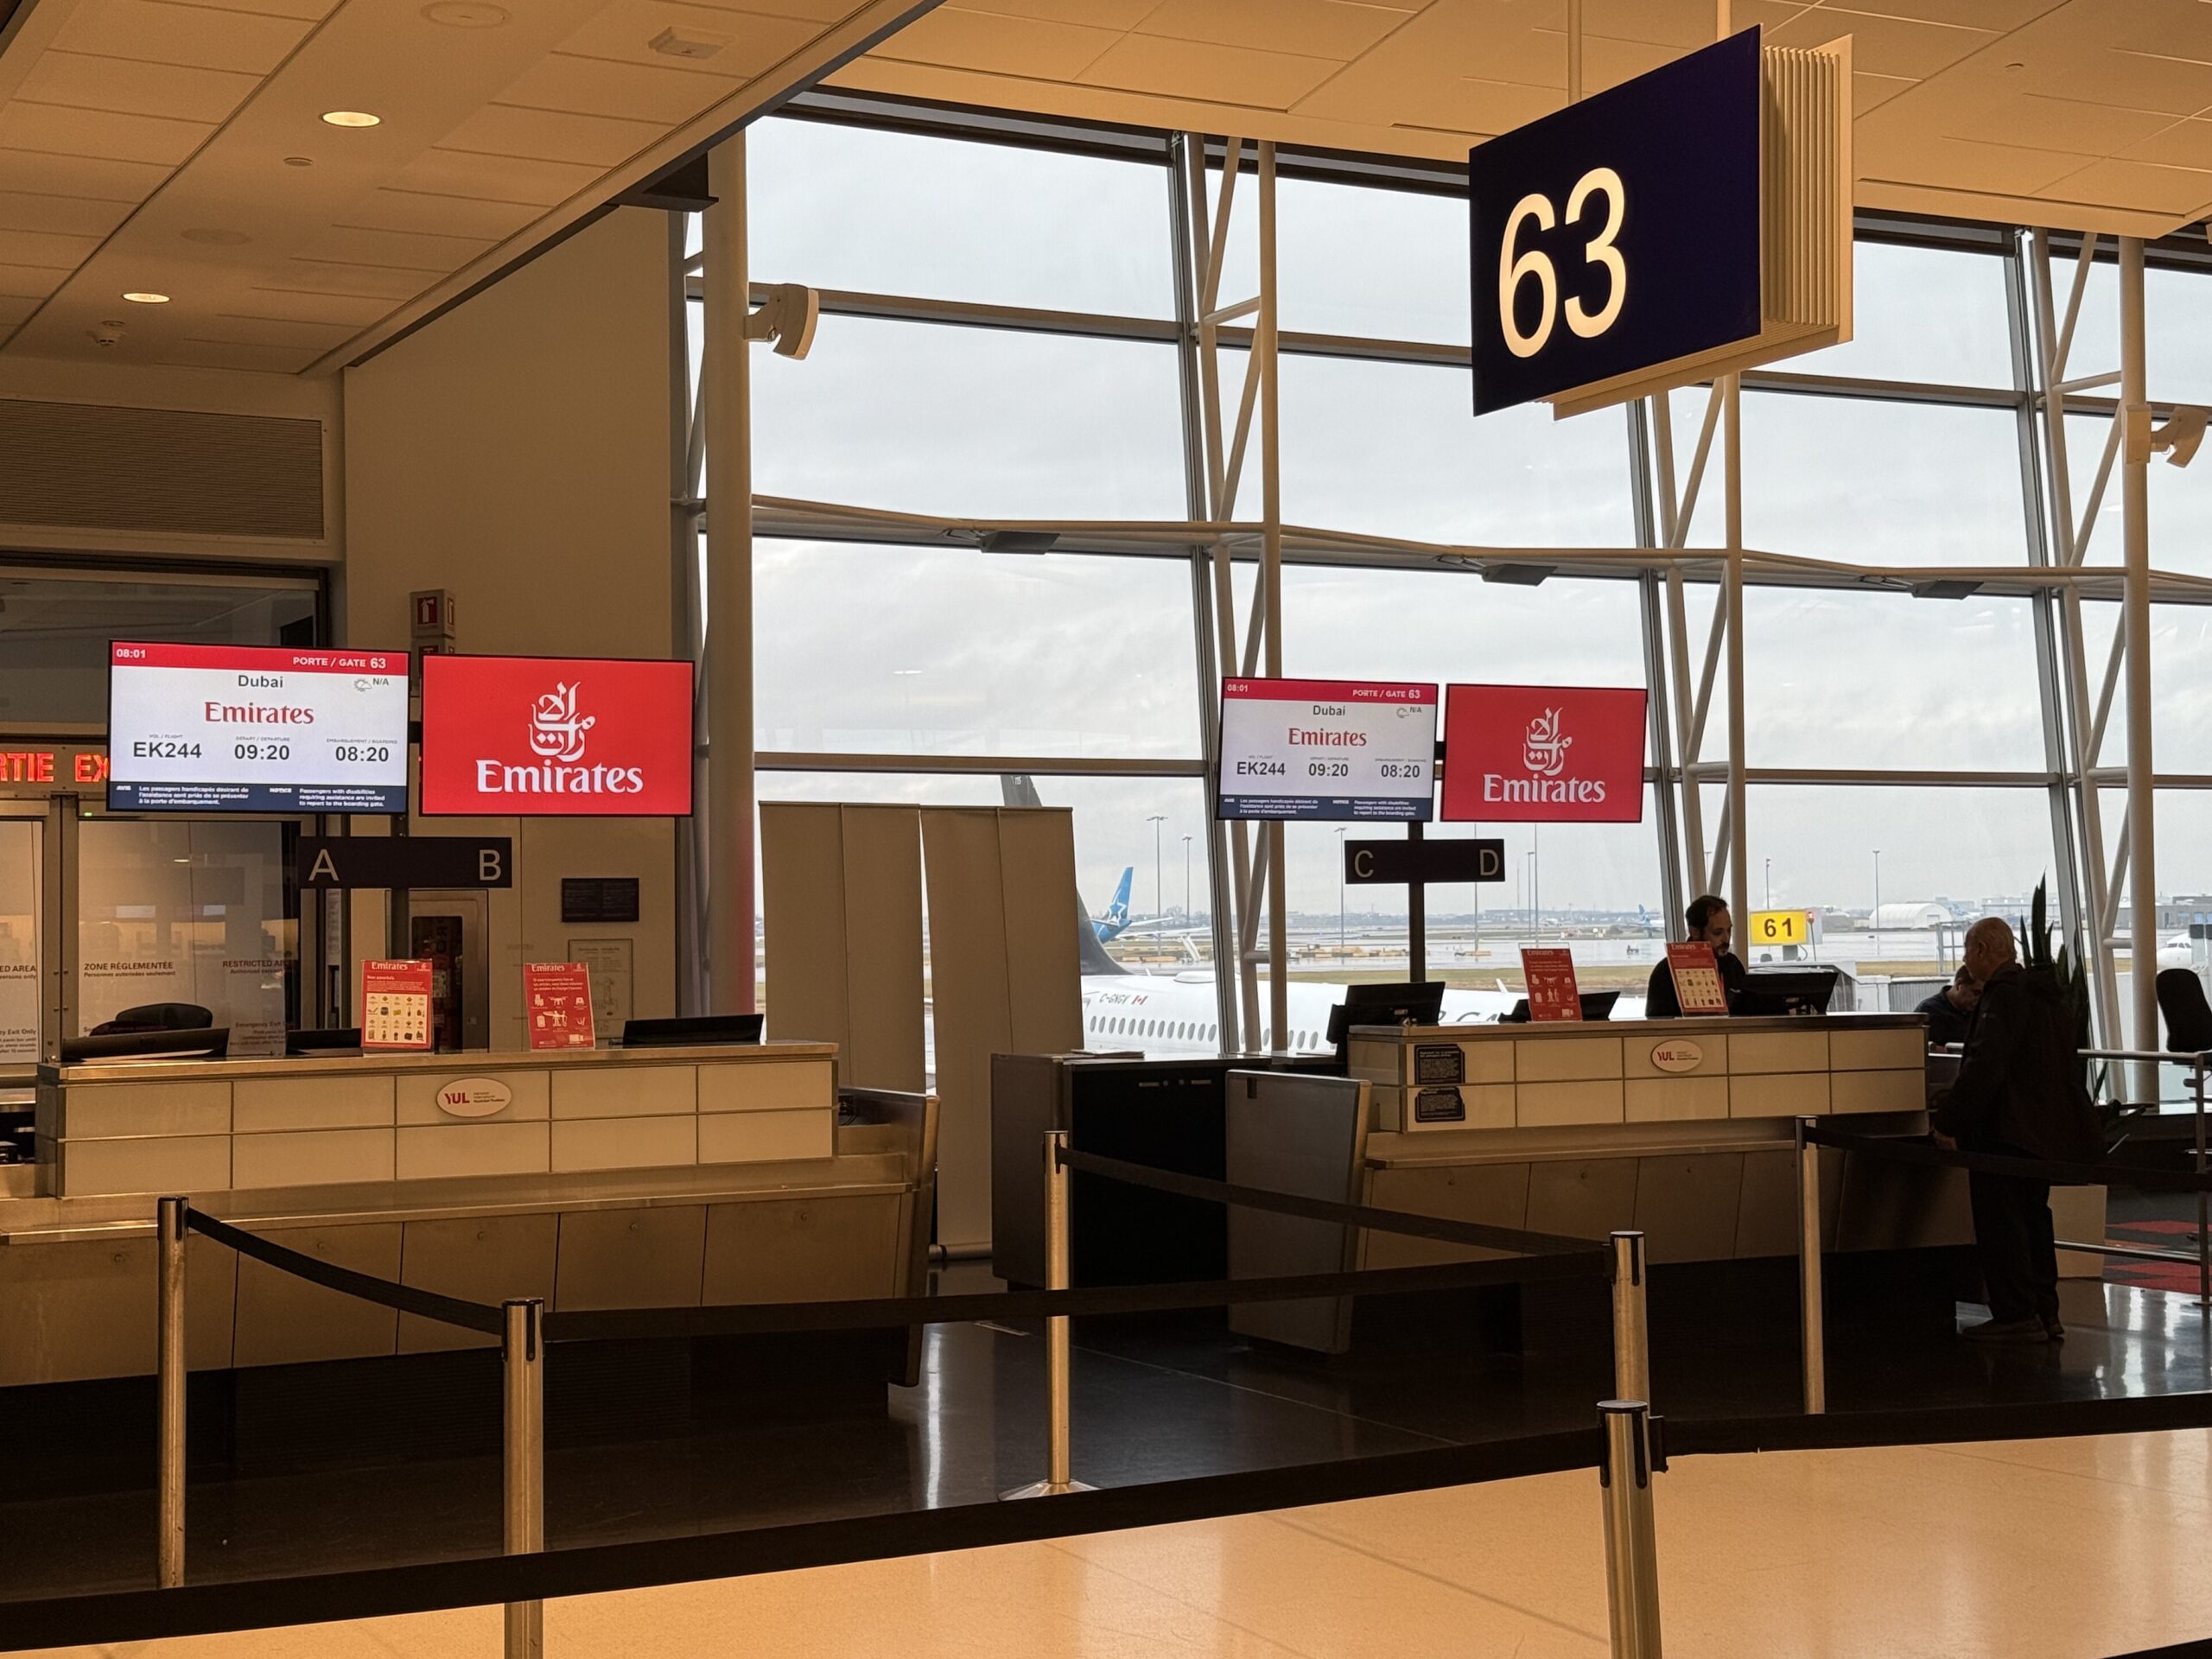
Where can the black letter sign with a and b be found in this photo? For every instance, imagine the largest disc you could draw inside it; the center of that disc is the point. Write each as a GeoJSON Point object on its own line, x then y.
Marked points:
{"type": "Point", "coordinates": [406, 861]}
{"type": "Point", "coordinates": [1621, 232]}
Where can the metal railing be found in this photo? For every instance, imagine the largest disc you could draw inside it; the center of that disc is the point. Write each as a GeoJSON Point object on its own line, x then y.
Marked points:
{"type": "Point", "coordinates": [1811, 1136]}
{"type": "Point", "coordinates": [1628, 1458]}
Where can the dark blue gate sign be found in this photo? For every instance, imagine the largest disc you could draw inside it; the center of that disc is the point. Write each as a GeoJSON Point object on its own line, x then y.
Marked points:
{"type": "Point", "coordinates": [1621, 231]}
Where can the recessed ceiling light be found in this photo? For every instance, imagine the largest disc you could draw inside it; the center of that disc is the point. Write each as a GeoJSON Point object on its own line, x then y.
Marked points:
{"type": "Point", "coordinates": [466, 14]}
{"type": "Point", "coordinates": [147, 299]}
{"type": "Point", "coordinates": [351, 118]}
{"type": "Point", "coordinates": [209, 236]}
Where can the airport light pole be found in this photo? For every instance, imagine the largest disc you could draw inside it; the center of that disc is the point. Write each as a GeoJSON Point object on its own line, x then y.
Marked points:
{"type": "Point", "coordinates": [1340, 894]}
{"type": "Point", "coordinates": [1187, 878]}
{"type": "Point", "coordinates": [1874, 921]}
{"type": "Point", "coordinates": [1769, 884]}
{"type": "Point", "coordinates": [1159, 901]}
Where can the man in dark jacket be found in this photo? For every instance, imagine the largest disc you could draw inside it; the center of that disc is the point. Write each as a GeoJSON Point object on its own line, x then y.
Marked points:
{"type": "Point", "coordinates": [2020, 1094]}
{"type": "Point", "coordinates": [1951, 1010]}
{"type": "Point", "coordinates": [1709, 924]}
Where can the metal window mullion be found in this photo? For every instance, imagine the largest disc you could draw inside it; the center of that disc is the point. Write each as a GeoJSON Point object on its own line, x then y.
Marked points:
{"type": "Point", "coordinates": [1644, 512]}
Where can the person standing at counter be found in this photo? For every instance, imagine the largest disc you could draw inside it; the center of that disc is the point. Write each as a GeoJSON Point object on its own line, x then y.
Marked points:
{"type": "Point", "coordinates": [1709, 924]}
{"type": "Point", "coordinates": [1951, 1011]}
{"type": "Point", "coordinates": [2020, 1094]}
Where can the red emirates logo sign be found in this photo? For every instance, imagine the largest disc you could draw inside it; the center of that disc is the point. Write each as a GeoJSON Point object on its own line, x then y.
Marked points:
{"type": "Point", "coordinates": [556, 737]}
{"type": "Point", "coordinates": [1543, 754]}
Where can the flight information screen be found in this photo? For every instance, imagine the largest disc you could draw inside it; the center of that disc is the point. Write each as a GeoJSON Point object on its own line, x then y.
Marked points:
{"type": "Point", "coordinates": [1327, 749]}
{"type": "Point", "coordinates": [251, 728]}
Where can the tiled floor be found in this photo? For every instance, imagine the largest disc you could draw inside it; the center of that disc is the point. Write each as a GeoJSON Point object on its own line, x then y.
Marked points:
{"type": "Point", "coordinates": [2053, 1549]}
{"type": "Point", "coordinates": [1153, 1398]}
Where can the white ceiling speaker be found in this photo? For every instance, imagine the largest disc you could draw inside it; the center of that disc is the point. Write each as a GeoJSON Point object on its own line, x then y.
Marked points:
{"type": "Point", "coordinates": [2180, 434]}
{"type": "Point", "coordinates": [786, 319]}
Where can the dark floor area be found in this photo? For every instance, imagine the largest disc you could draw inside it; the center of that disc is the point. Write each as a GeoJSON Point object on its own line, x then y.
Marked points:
{"type": "Point", "coordinates": [1154, 1397]}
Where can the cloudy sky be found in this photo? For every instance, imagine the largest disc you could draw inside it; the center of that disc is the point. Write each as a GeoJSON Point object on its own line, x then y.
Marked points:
{"type": "Point", "coordinates": [948, 651]}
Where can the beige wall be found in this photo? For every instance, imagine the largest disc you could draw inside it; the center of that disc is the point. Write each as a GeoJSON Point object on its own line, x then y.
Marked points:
{"type": "Point", "coordinates": [515, 452]}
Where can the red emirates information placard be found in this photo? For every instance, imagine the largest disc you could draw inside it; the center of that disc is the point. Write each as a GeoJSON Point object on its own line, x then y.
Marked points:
{"type": "Point", "coordinates": [1552, 992]}
{"type": "Point", "coordinates": [396, 1004]}
{"type": "Point", "coordinates": [556, 1001]}
{"type": "Point", "coordinates": [556, 737]}
{"type": "Point", "coordinates": [1543, 754]}
{"type": "Point", "coordinates": [1698, 985]}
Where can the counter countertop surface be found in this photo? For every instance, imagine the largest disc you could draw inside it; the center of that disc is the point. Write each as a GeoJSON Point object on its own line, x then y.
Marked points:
{"type": "Point", "coordinates": [1684, 1027]}
{"type": "Point", "coordinates": [464, 1063]}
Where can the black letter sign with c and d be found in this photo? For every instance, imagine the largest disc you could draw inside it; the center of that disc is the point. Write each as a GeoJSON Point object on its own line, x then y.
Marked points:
{"type": "Point", "coordinates": [1621, 232]}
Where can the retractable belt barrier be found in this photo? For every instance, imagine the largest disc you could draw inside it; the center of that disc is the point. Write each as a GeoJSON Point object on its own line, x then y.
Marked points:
{"type": "Point", "coordinates": [447, 1310]}
{"type": "Point", "coordinates": [2056, 1172]}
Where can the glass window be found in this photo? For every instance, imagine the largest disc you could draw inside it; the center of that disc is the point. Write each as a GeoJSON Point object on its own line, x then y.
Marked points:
{"type": "Point", "coordinates": [895, 213]}
{"type": "Point", "coordinates": [1862, 481]}
{"type": "Point", "coordinates": [187, 911]}
{"type": "Point", "coordinates": [1928, 314]}
{"type": "Point", "coordinates": [972, 422]}
{"type": "Point", "coordinates": [1889, 681]}
{"type": "Point", "coordinates": [54, 630]}
{"type": "Point", "coordinates": [956, 652]}
{"type": "Point", "coordinates": [2177, 326]}
{"type": "Point", "coordinates": [1332, 283]}
{"type": "Point", "coordinates": [20, 986]}
{"type": "Point", "coordinates": [1395, 449]}
{"type": "Point", "coordinates": [1971, 852]}
{"type": "Point", "coordinates": [2180, 503]}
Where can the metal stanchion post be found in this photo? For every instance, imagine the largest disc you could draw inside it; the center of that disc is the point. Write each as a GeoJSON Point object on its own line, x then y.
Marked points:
{"type": "Point", "coordinates": [1813, 1337]}
{"type": "Point", "coordinates": [523, 1362]}
{"type": "Point", "coordinates": [170, 1371]}
{"type": "Point", "coordinates": [1631, 1545]}
{"type": "Point", "coordinates": [1058, 1219]}
{"type": "Point", "coordinates": [1631, 1333]}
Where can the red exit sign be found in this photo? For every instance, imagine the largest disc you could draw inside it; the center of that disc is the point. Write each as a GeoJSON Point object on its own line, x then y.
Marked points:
{"type": "Point", "coordinates": [76, 768]}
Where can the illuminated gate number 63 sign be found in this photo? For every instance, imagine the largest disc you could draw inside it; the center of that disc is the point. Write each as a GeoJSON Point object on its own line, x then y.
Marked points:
{"type": "Point", "coordinates": [1536, 262]}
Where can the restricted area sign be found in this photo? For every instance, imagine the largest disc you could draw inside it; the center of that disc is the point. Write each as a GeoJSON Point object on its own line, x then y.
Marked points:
{"type": "Point", "coordinates": [1327, 749]}
{"type": "Point", "coordinates": [1621, 232]}
{"type": "Point", "coordinates": [1782, 927]}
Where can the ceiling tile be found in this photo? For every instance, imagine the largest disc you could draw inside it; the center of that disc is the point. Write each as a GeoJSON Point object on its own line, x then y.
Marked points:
{"type": "Point", "coordinates": [54, 130]}
{"type": "Point", "coordinates": [1929, 157]}
{"type": "Point", "coordinates": [222, 354]}
{"type": "Point", "coordinates": [2185, 143]}
{"type": "Point", "coordinates": [1885, 45]}
{"type": "Point", "coordinates": [36, 280]}
{"type": "Point", "coordinates": [1119, 15]}
{"type": "Point", "coordinates": [1871, 92]}
{"type": "Point", "coordinates": [1608, 62]}
{"type": "Point", "coordinates": [548, 135]}
{"type": "Point", "coordinates": [1269, 81]}
{"type": "Point", "coordinates": [1681, 24]}
{"type": "Point", "coordinates": [67, 215]}
{"type": "Point", "coordinates": [353, 282]}
{"type": "Point", "coordinates": [2133, 80]}
{"type": "Point", "coordinates": [604, 86]}
{"type": "Point", "coordinates": [1341, 29]}
{"type": "Point", "coordinates": [1999, 15]}
{"type": "Point", "coordinates": [193, 36]}
{"type": "Point", "coordinates": [393, 250]}
{"type": "Point", "coordinates": [1000, 45]}
{"type": "Point", "coordinates": [87, 82]}
{"type": "Point", "coordinates": [91, 177]}
{"type": "Point", "coordinates": [15, 309]}
{"type": "Point", "coordinates": [313, 308]}
{"type": "Point", "coordinates": [2139, 185]}
{"type": "Point", "coordinates": [814, 11]}
{"type": "Point", "coordinates": [2034, 121]}
{"type": "Point", "coordinates": [624, 30]}
{"type": "Point", "coordinates": [493, 178]}
{"type": "Point", "coordinates": [307, 11]}
{"type": "Point", "coordinates": [412, 210]}
{"type": "Point", "coordinates": [234, 330]}
{"type": "Point", "coordinates": [45, 248]}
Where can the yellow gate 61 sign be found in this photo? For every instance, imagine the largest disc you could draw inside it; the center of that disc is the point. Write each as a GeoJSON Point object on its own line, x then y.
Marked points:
{"type": "Point", "coordinates": [1781, 927]}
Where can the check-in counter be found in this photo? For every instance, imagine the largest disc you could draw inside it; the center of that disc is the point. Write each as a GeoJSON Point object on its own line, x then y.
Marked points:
{"type": "Point", "coordinates": [594, 1180]}
{"type": "Point", "coordinates": [1682, 1128]}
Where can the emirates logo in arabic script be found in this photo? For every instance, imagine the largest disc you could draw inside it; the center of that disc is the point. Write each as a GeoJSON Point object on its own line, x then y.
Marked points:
{"type": "Point", "coordinates": [1544, 750]}
{"type": "Point", "coordinates": [556, 738]}
{"type": "Point", "coordinates": [556, 731]}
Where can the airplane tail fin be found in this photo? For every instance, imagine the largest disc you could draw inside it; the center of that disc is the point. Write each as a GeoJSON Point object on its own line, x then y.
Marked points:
{"type": "Point", "coordinates": [1018, 789]}
{"type": "Point", "coordinates": [1117, 914]}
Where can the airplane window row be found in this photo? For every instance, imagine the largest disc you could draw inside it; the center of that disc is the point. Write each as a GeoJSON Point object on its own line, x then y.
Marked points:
{"type": "Point", "coordinates": [1186, 1031]}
